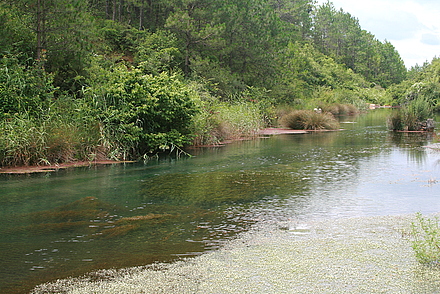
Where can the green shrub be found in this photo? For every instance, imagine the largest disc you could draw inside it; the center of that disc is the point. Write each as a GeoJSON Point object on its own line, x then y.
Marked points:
{"type": "Point", "coordinates": [426, 239]}
{"type": "Point", "coordinates": [141, 113]}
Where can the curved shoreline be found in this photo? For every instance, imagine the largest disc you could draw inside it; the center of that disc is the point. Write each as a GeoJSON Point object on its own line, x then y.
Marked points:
{"type": "Point", "coordinates": [20, 170]}
{"type": "Point", "coordinates": [343, 255]}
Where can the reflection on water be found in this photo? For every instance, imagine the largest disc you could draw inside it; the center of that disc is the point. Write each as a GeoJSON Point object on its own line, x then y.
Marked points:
{"type": "Point", "coordinates": [75, 221]}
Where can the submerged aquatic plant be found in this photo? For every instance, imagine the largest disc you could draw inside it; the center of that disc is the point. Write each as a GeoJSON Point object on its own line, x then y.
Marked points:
{"type": "Point", "coordinates": [426, 239]}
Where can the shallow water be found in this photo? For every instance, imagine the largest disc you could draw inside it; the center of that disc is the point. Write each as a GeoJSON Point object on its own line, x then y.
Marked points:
{"type": "Point", "coordinates": [75, 221]}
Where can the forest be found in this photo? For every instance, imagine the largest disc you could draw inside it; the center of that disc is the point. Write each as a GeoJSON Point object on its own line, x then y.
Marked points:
{"type": "Point", "coordinates": [84, 80]}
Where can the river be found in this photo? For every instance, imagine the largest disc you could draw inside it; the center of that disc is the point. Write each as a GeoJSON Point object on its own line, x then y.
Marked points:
{"type": "Point", "coordinates": [71, 222]}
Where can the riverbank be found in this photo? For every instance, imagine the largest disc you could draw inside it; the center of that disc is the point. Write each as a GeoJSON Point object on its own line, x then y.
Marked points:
{"type": "Point", "coordinates": [354, 255]}
{"type": "Point", "coordinates": [55, 167]}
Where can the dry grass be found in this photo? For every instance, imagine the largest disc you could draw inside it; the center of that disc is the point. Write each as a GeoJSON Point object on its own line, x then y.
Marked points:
{"type": "Point", "coordinates": [309, 120]}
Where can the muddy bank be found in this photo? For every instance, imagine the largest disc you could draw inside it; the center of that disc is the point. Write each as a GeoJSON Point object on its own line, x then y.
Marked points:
{"type": "Point", "coordinates": [356, 255]}
{"type": "Point", "coordinates": [280, 131]}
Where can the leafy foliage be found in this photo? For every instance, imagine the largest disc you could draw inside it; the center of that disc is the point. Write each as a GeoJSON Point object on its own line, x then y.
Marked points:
{"type": "Point", "coordinates": [16, 38]}
{"type": "Point", "coordinates": [23, 89]}
{"type": "Point", "coordinates": [426, 242]}
{"type": "Point", "coordinates": [141, 112]}
{"type": "Point", "coordinates": [339, 35]}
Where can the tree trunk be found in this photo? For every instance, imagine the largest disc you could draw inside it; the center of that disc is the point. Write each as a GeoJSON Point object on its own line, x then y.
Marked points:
{"type": "Point", "coordinates": [141, 15]}
{"type": "Point", "coordinates": [40, 29]}
{"type": "Point", "coordinates": [114, 10]}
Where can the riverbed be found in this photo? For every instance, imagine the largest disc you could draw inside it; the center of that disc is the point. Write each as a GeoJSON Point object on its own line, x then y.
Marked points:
{"type": "Point", "coordinates": [354, 255]}
{"type": "Point", "coordinates": [221, 206]}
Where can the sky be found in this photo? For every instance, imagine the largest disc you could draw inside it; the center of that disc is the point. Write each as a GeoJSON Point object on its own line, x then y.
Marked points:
{"type": "Point", "coordinates": [412, 26]}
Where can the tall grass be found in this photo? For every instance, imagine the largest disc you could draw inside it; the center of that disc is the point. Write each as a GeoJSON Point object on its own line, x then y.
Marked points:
{"type": "Point", "coordinates": [340, 109]}
{"type": "Point", "coordinates": [22, 141]}
{"type": "Point", "coordinates": [226, 121]}
{"type": "Point", "coordinates": [309, 120]}
{"type": "Point", "coordinates": [54, 137]}
{"type": "Point", "coordinates": [410, 117]}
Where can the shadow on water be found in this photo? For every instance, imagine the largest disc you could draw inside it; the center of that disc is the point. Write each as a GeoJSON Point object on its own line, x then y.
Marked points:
{"type": "Point", "coordinates": [75, 221]}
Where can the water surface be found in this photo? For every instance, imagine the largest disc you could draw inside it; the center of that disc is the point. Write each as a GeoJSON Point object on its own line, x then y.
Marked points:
{"type": "Point", "coordinates": [71, 222]}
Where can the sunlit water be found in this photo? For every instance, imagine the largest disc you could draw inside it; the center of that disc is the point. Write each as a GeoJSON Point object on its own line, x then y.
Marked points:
{"type": "Point", "coordinates": [71, 222]}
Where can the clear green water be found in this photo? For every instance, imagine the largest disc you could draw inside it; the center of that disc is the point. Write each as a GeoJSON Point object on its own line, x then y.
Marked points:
{"type": "Point", "coordinates": [71, 222]}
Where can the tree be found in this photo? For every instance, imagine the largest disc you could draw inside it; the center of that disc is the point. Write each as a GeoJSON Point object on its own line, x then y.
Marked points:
{"type": "Point", "coordinates": [339, 35]}
{"type": "Point", "coordinates": [16, 37]}
{"type": "Point", "coordinates": [296, 15]}
{"type": "Point", "coordinates": [194, 24]}
{"type": "Point", "coordinates": [63, 30]}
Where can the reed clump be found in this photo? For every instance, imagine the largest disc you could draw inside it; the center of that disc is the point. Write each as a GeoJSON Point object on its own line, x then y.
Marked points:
{"type": "Point", "coordinates": [413, 116]}
{"type": "Point", "coordinates": [228, 121]}
{"type": "Point", "coordinates": [309, 120]}
{"type": "Point", "coordinates": [49, 139]}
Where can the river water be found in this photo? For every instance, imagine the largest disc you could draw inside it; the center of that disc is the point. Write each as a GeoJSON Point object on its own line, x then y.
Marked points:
{"type": "Point", "coordinates": [75, 221]}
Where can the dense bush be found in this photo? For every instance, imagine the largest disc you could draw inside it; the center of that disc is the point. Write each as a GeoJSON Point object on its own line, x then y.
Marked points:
{"type": "Point", "coordinates": [141, 113]}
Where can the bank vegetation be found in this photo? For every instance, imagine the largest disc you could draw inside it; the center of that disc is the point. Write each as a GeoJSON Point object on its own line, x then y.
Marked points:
{"type": "Point", "coordinates": [84, 80]}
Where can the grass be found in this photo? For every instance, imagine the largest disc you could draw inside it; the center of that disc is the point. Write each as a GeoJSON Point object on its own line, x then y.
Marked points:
{"type": "Point", "coordinates": [309, 120]}
{"type": "Point", "coordinates": [49, 139]}
{"type": "Point", "coordinates": [411, 116]}
{"type": "Point", "coordinates": [340, 109]}
{"type": "Point", "coordinates": [426, 239]}
{"type": "Point", "coordinates": [227, 121]}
